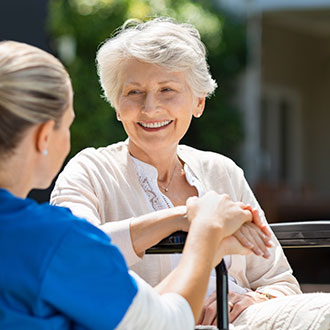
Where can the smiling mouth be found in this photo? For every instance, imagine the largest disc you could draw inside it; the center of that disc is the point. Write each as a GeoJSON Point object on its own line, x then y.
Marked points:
{"type": "Point", "coordinates": [157, 124]}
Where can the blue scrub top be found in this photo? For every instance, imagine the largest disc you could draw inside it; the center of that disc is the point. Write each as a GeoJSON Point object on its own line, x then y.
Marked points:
{"type": "Point", "coordinates": [58, 271]}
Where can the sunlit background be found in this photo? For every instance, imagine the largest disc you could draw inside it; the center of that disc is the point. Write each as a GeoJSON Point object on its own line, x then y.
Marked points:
{"type": "Point", "coordinates": [271, 112]}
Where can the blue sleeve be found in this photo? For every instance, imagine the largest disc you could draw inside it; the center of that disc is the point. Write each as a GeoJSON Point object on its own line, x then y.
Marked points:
{"type": "Point", "coordinates": [88, 280]}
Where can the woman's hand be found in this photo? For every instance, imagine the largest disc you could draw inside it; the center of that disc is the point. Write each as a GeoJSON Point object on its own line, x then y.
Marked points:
{"type": "Point", "coordinates": [253, 238]}
{"type": "Point", "coordinates": [209, 311]}
{"type": "Point", "coordinates": [257, 220]}
{"type": "Point", "coordinates": [256, 235]}
{"type": "Point", "coordinates": [238, 301]}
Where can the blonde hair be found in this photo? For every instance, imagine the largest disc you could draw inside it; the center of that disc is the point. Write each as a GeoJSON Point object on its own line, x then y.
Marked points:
{"type": "Point", "coordinates": [175, 46]}
{"type": "Point", "coordinates": [34, 88]}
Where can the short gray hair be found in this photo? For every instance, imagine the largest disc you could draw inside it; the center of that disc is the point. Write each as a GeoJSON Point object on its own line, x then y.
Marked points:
{"type": "Point", "coordinates": [163, 41]}
{"type": "Point", "coordinates": [34, 88]}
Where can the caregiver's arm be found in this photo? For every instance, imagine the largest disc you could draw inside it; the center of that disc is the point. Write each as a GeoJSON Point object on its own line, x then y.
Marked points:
{"type": "Point", "coordinates": [180, 295]}
{"type": "Point", "coordinates": [213, 219]}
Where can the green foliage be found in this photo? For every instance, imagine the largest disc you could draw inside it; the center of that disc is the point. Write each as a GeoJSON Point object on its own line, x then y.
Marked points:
{"type": "Point", "coordinates": [87, 23]}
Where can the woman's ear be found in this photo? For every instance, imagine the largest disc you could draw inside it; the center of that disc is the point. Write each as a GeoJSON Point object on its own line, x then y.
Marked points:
{"type": "Point", "coordinates": [118, 116]}
{"type": "Point", "coordinates": [199, 107]}
{"type": "Point", "coordinates": [43, 136]}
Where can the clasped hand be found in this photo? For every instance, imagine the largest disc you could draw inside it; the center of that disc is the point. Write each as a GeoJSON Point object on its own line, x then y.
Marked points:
{"type": "Point", "coordinates": [243, 232]}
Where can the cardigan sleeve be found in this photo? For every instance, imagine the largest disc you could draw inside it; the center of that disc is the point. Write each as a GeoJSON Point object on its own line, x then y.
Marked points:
{"type": "Point", "coordinates": [80, 187]}
{"type": "Point", "coordinates": [221, 174]}
{"type": "Point", "coordinates": [272, 275]}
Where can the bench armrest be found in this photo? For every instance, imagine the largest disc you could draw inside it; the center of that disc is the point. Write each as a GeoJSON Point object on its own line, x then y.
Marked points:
{"type": "Point", "coordinates": [303, 234]}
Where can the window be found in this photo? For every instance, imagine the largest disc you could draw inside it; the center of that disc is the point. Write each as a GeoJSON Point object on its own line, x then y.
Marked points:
{"type": "Point", "coordinates": [280, 127]}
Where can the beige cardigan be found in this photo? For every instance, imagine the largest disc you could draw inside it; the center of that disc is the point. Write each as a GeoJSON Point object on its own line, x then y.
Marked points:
{"type": "Point", "coordinates": [101, 185]}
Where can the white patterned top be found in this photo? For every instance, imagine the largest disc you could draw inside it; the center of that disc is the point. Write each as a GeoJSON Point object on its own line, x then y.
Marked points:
{"type": "Point", "coordinates": [148, 175]}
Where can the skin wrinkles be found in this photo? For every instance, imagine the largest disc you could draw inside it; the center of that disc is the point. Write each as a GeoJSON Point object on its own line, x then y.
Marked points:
{"type": "Point", "coordinates": [151, 94]}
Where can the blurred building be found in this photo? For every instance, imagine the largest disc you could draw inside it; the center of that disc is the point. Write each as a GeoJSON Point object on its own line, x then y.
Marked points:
{"type": "Point", "coordinates": [284, 95]}
{"type": "Point", "coordinates": [25, 21]}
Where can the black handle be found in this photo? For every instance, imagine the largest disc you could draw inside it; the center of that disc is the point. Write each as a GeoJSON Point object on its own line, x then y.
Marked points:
{"type": "Point", "coordinates": [222, 296]}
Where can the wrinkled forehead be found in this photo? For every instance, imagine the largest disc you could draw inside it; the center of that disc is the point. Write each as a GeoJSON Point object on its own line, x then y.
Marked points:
{"type": "Point", "coordinates": [135, 71]}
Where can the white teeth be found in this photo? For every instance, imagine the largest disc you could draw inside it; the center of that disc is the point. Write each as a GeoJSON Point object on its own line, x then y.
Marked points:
{"type": "Point", "coordinates": [156, 124]}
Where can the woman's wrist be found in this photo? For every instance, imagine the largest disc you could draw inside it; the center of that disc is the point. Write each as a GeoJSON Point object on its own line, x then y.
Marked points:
{"type": "Point", "coordinates": [147, 230]}
{"type": "Point", "coordinates": [266, 295]}
{"type": "Point", "coordinates": [260, 296]}
{"type": "Point", "coordinates": [180, 220]}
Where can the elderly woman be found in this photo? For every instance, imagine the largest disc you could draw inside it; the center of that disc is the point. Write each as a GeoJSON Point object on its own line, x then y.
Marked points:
{"type": "Point", "coordinates": [59, 271]}
{"type": "Point", "coordinates": [156, 77]}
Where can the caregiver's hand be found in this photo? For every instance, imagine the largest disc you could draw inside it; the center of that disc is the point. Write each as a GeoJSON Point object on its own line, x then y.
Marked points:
{"type": "Point", "coordinates": [218, 211]}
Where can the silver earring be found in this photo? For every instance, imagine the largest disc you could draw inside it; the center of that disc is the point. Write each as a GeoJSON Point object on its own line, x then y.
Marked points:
{"type": "Point", "coordinates": [44, 152]}
{"type": "Point", "coordinates": [198, 115]}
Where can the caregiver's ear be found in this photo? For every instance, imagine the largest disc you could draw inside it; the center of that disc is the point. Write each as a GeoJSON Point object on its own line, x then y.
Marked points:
{"type": "Point", "coordinates": [43, 135]}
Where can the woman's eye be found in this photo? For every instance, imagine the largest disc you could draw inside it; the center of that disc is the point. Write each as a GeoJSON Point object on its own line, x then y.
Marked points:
{"type": "Point", "coordinates": [167, 89]}
{"type": "Point", "coordinates": [133, 92]}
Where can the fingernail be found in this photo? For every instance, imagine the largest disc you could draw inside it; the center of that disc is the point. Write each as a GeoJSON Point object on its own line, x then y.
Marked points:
{"type": "Point", "coordinates": [266, 254]}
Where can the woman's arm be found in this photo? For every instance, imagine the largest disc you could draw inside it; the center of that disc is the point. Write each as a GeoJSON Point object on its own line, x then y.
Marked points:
{"type": "Point", "coordinates": [149, 229]}
{"type": "Point", "coordinates": [97, 197]}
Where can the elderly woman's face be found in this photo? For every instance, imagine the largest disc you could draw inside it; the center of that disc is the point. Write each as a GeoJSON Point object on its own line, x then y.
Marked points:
{"type": "Point", "coordinates": [155, 106]}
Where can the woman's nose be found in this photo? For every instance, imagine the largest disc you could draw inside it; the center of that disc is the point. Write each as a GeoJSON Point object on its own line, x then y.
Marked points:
{"type": "Point", "coordinates": [150, 102]}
